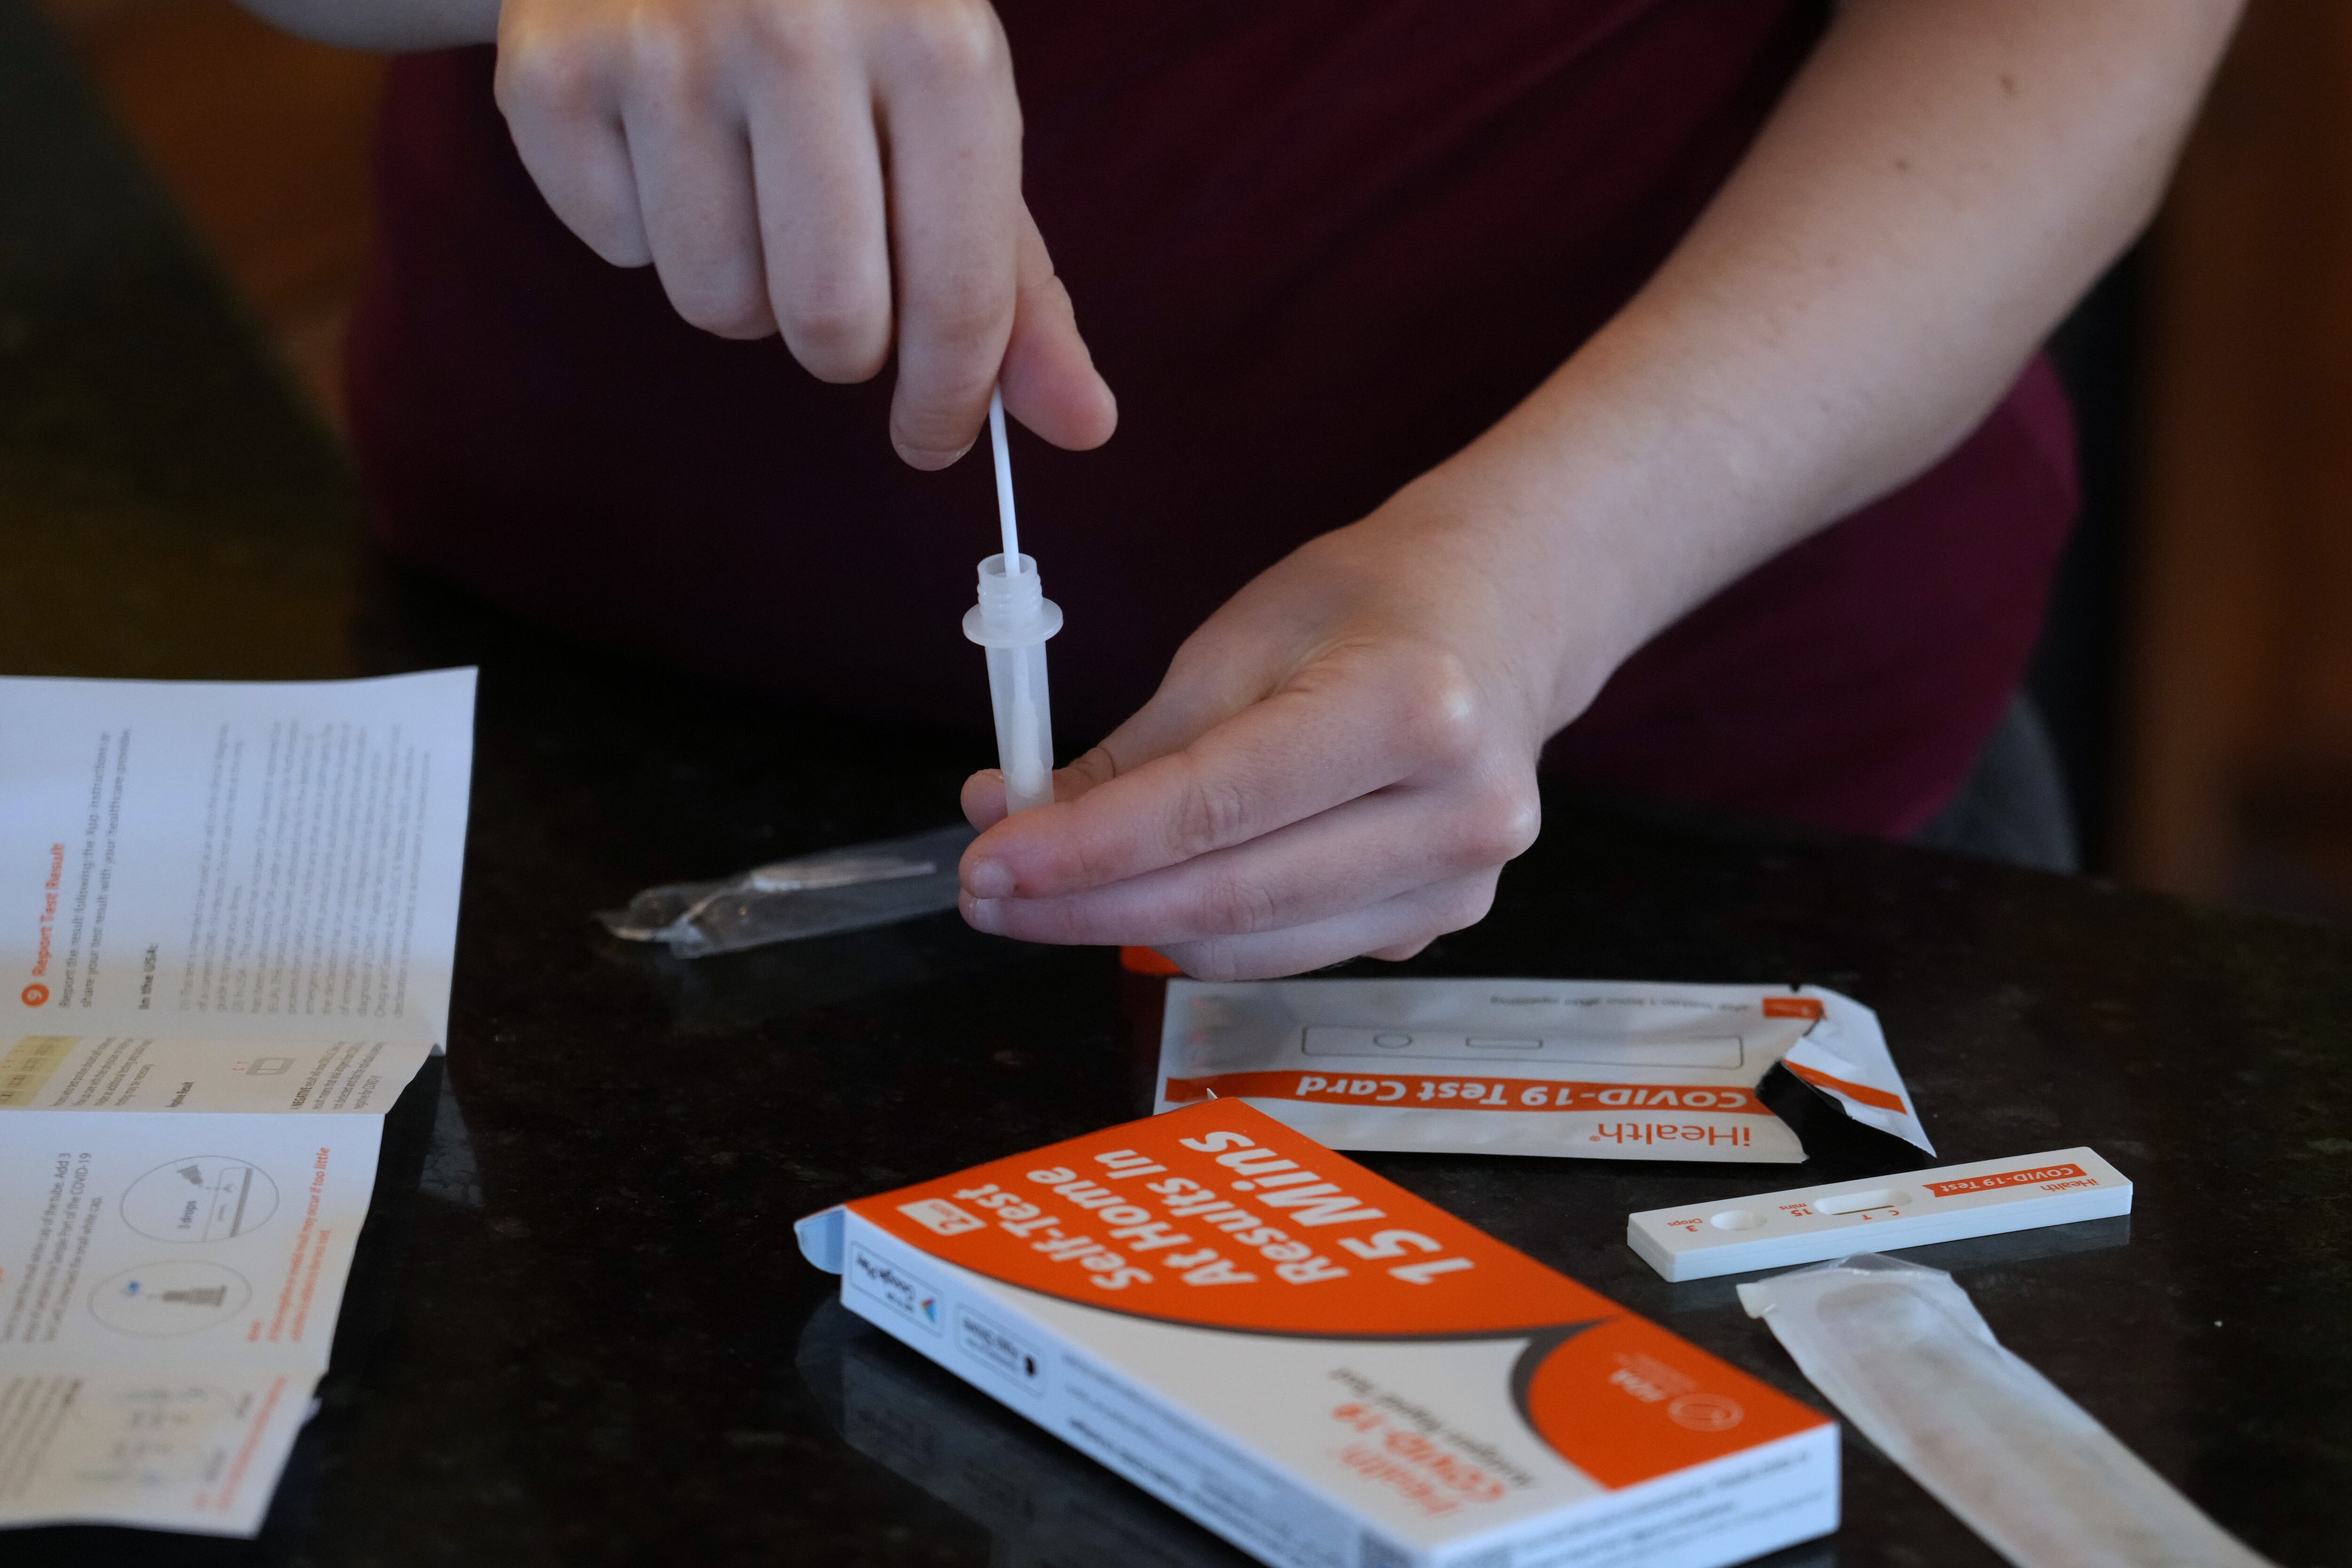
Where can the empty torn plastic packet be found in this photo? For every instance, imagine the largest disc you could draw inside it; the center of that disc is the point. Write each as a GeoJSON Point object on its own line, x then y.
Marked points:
{"type": "Point", "coordinates": [1904, 1354]}
{"type": "Point", "coordinates": [849, 888]}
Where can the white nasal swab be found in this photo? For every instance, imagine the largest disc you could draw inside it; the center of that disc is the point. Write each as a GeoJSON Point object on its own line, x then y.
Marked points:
{"type": "Point", "coordinates": [1012, 621]}
{"type": "Point", "coordinates": [1005, 519]}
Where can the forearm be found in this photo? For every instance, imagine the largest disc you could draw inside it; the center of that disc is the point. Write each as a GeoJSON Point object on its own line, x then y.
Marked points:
{"type": "Point", "coordinates": [383, 24]}
{"type": "Point", "coordinates": [1938, 185]}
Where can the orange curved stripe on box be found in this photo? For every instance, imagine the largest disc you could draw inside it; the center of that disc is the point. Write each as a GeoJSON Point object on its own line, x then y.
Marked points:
{"type": "Point", "coordinates": [1625, 1401]}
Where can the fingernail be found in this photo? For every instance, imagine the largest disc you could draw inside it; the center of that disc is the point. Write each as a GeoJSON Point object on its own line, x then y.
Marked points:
{"type": "Point", "coordinates": [984, 914]}
{"type": "Point", "coordinates": [930, 459]}
{"type": "Point", "coordinates": [989, 880]}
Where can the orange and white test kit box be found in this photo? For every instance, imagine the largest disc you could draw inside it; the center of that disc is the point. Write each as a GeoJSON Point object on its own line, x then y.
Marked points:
{"type": "Point", "coordinates": [1321, 1367]}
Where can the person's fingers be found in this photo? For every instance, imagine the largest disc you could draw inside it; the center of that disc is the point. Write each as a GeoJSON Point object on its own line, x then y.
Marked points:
{"type": "Point", "coordinates": [1216, 674]}
{"type": "Point", "coordinates": [1250, 648]}
{"type": "Point", "coordinates": [1356, 855]}
{"type": "Point", "coordinates": [561, 109]}
{"type": "Point", "coordinates": [1397, 928]}
{"type": "Point", "coordinates": [1340, 730]}
{"type": "Point", "coordinates": [953, 128]}
{"type": "Point", "coordinates": [1050, 382]}
{"type": "Point", "coordinates": [982, 798]}
{"type": "Point", "coordinates": [816, 166]}
{"type": "Point", "coordinates": [693, 165]}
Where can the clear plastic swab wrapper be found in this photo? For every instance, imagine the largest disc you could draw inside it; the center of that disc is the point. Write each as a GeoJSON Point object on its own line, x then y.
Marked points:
{"type": "Point", "coordinates": [1012, 621]}
{"type": "Point", "coordinates": [1903, 1354]}
{"type": "Point", "coordinates": [849, 888]}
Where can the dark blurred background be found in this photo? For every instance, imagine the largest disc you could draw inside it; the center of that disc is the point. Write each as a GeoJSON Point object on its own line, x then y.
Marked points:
{"type": "Point", "coordinates": [2197, 672]}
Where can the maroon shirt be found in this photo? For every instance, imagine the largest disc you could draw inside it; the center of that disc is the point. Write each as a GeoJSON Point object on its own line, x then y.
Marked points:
{"type": "Point", "coordinates": [1316, 246]}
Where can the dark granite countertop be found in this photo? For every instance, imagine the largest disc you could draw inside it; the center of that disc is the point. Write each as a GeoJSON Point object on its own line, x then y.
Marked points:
{"type": "Point", "coordinates": [578, 1331]}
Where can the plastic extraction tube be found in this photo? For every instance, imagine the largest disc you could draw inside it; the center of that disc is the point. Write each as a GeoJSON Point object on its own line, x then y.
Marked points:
{"type": "Point", "coordinates": [1012, 621]}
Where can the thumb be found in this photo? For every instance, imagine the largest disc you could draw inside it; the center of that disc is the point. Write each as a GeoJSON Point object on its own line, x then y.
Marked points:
{"type": "Point", "coordinates": [1216, 674]}
{"type": "Point", "coordinates": [1049, 378]}
{"type": "Point", "coordinates": [1154, 731]}
{"type": "Point", "coordinates": [1192, 699]}
{"type": "Point", "coordinates": [982, 798]}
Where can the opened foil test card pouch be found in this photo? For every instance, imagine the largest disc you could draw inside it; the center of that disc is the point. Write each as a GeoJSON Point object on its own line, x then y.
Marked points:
{"type": "Point", "coordinates": [1322, 1368]}
{"type": "Point", "coordinates": [1601, 1070]}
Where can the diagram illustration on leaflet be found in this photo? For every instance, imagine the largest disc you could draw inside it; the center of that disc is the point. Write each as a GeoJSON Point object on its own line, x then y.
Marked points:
{"type": "Point", "coordinates": [165, 1436]}
{"type": "Point", "coordinates": [174, 1296]}
{"type": "Point", "coordinates": [205, 1197]}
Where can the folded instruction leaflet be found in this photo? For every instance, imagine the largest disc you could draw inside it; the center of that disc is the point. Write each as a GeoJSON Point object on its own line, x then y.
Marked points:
{"type": "Point", "coordinates": [231, 914]}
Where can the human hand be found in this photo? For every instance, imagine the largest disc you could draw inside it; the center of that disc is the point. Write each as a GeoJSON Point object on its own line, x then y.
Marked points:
{"type": "Point", "coordinates": [789, 166]}
{"type": "Point", "coordinates": [1338, 762]}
